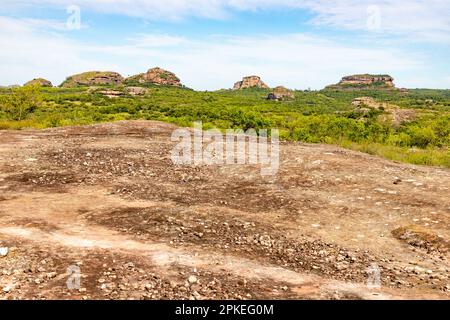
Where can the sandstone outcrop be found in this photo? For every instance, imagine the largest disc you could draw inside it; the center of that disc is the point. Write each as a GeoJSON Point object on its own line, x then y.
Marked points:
{"type": "Point", "coordinates": [280, 93]}
{"type": "Point", "coordinates": [136, 91]}
{"type": "Point", "coordinates": [93, 78]}
{"type": "Point", "coordinates": [39, 82]}
{"type": "Point", "coordinates": [366, 102]}
{"type": "Point", "coordinates": [111, 93]}
{"type": "Point", "coordinates": [364, 81]}
{"type": "Point", "coordinates": [155, 76]}
{"type": "Point", "coordinates": [250, 82]}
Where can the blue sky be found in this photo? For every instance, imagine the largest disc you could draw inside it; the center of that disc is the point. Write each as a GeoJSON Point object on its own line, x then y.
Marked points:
{"type": "Point", "coordinates": [210, 44]}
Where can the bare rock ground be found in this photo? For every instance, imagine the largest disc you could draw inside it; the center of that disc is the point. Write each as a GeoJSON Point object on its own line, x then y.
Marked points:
{"type": "Point", "coordinates": [107, 199]}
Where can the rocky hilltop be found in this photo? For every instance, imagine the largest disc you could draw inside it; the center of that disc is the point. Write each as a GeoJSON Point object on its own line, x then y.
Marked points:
{"type": "Point", "coordinates": [39, 82]}
{"type": "Point", "coordinates": [364, 81]}
{"type": "Point", "coordinates": [368, 79]}
{"type": "Point", "coordinates": [156, 76]}
{"type": "Point", "coordinates": [93, 78]}
{"type": "Point", "coordinates": [250, 82]}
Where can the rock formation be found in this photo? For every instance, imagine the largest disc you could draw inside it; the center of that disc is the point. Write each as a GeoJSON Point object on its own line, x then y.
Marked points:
{"type": "Point", "coordinates": [391, 112]}
{"type": "Point", "coordinates": [280, 93]}
{"type": "Point", "coordinates": [93, 78]}
{"type": "Point", "coordinates": [366, 101]}
{"type": "Point", "coordinates": [156, 76]}
{"type": "Point", "coordinates": [136, 91]}
{"type": "Point", "coordinates": [111, 93]}
{"type": "Point", "coordinates": [364, 81]}
{"type": "Point", "coordinates": [250, 82]}
{"type": "Point", "coordinates": [39, 82]}
{"type": "Point", "coordinates": [368, 79]}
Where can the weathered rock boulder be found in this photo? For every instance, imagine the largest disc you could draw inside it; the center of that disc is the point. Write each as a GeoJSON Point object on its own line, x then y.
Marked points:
{"type": "Point", "coordinates": [111, 93]}
{"type": "Point", "coordinates": [365, 81]}
{"type": "Point", "coordinates": [155, 76]}
{"type": "Point", "coordinates": [39, 82]}
{"type": "Point", "coordinates": [93, 78]}
{"type": "Point", "coordinates": [136, 91]}
{"type": "Point", "coordinates": [250, 82]}
{"type": "Point", "coordinates": [366, 102]}
{"type": "Point", "coordinates": [280, 93]}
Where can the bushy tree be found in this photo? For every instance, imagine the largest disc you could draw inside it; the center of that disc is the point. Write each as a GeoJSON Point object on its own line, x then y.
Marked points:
{"type": "Point", "coordinates": [21, 101]}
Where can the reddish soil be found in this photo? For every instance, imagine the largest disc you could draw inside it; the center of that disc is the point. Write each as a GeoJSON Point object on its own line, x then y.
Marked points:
{"type": "Point", "coordinates": [108, 199]}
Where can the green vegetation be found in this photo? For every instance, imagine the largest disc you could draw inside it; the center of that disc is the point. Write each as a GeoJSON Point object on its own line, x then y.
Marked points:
{"type": "Point", "coordinates": [21, 102]}
{"type": "Point", "coordinates": [325, 116]}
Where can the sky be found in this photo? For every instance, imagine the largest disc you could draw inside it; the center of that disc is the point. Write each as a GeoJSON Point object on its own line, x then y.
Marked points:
{"type": "Point", "coordinates": [210, 44]}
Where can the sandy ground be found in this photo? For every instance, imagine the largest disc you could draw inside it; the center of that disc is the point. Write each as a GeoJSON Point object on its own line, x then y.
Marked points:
{"type": "Point", "coordinates": [108, 200]}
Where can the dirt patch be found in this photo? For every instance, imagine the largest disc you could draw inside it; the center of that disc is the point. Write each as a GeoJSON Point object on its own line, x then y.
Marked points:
{"type": "Point", "coordinates": [32, 272]}
{"type": "Point", "coordinates": [55, 181]}
{"type": "Point", "coordinates": [109, 195]}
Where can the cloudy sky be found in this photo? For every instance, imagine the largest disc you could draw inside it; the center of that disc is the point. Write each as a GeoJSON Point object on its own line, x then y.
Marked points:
{"type": "Point", "coordinates": [210, 44]}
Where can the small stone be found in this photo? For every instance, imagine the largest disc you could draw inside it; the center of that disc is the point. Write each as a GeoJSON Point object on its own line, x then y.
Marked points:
{"type": "Point", "coordinates": [3, 251]}
{"type": "Point", "coordinates": [196, 295]}
{"type": "Point", "coordinates": [148, 287]}
{"type": "Point", "coordinates": [418, 270]}
{"type": "Point", "coordinates": [192, 279]}
{"type": "Point", "coordinates": [7, 289]}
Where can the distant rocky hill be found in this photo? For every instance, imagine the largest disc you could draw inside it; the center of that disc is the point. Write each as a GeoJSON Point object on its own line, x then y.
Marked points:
{"type": "Point", "coordinates": [155, 76]}
{"type": "Point", "coordinates": [39, 82]}
{"type": "Point", "coordinates": [365, 81]}
{"type": "Point", "coordinates": [250, 82]}
{"type": "Point", "coordinates": [93, 78]}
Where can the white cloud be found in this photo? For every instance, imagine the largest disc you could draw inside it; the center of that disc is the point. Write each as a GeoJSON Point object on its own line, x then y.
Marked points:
{"type": "Point", "coordinates": [427, 20]}
{"type": "Point", "coordinates": [418, 19]}
{"type": "Point", "coordinates": [149, 9]}
{"type": "Point", "coordinates": [293, 60]}
{"type": "Point", "coordinates": [29, 52]}
{"type": "Point", "coordinates": [157, 40]}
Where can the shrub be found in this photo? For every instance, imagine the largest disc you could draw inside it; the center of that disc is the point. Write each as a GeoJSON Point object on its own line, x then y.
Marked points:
{"type": "Point", "coordinates": [21, 102]}
{"type": "Point", "coordinates": [421, 136]}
